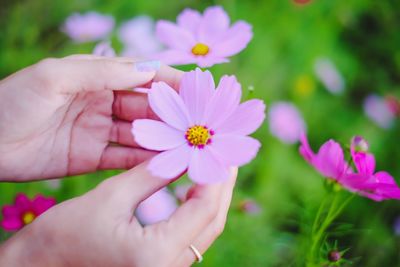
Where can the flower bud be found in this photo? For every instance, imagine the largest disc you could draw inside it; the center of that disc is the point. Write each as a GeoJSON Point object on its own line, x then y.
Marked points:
{"type": "Point", "coordinates": [334, 256]}
{"type": "Point", "coordinates": [359, 144]}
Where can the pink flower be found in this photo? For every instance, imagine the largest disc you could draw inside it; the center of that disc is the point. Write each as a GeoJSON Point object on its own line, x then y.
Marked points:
{"type": "Point", "coordinates": [24, 211]}
{"type": "Point", "coordinates": [378, 110]}
{"type": "Point", "coordinates": [286, 122]}
{"type": "Point", "coordinates": [250, 207]}
{"type": "Point", "coordinates": [204, 39]}
{"type": "Point", "coordinates": [330, 162]}
{"type": "Point", "coordinates": [329, 75]}
{"type": "Point", "coordinates": [381, 184]}
{"type": "Point", "coordinates": [203, 129]}
{"type": "Point", "coordinates": [104, 49]}
{"type": "Point", "coordinates": [157, 207]}
{"type": "Point", "coordinates": [139, 37]}
{"type": "Point", "coordinates": [88, 27]}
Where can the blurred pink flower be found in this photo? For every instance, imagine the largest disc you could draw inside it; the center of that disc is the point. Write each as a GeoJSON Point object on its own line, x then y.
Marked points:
{"type": "Point", "coordinates": [378, 110]}
{"type": "Point", "coordinates": [286, 122]}
{"type": "Point", "coordinates": [203, 129]}
{"type": "Point", "coordinates": [88, 27]}
{"type": "Point", "coordinates": [329, 75]}
{"type": "Point", "coordinates": [139, 37]}
{"type": "Point", "coordinates": [158, 207]}
{"type": "Point", "coordinates": [330, 162]}
{"type": "Point", "coordinates": [104, 49]}
{"type": "Point", "coordinates": [24, 211]}
{"type": "Point", "coordinates": [250, 206]}
{"type": "Point", "coordinates": [204, 39]}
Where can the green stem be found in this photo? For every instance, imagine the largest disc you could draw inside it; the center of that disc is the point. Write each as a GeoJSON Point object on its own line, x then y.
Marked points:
{"type": "Point", "coordinates": [318, 234]}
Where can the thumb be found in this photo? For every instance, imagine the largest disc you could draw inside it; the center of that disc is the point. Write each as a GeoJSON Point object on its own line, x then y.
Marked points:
{"type": "Point", "coordinates": [77, 75]}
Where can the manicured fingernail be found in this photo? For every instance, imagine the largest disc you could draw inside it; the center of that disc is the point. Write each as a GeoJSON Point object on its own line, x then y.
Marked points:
{"type": "Point", "coordinates": [147, 66]}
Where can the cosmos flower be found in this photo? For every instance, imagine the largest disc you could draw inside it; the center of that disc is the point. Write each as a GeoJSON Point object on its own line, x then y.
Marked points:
{"type": "Point", "coordinates": [203, 39]}
{"type": "Point", "coordinates": [138, 36]}
{"type": "Point", "coordinates": [330, 162]}
{"type": "Point", "coordinates": [104, 49]}
{"type": "Point", "coordinates": [250, 206]}
{"type": "Point", "coordinates": [286, 122]}
{"type": "Point", "coordinates": [378, 110]}
{"type": "Point", "coordinates": [158, 207]}
{"type": "Point", "coordinates": [329, 75]}
{"type": "Point", "coordinates": [203, 130]}
{"type": "Point", "coordinates": [24, 211]}
{"type": "Point", "coordinates": [88, 27]}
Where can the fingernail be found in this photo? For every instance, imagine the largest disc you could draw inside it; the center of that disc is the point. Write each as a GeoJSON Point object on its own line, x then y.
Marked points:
{"type": "Point", "coordinates": [147, 66]}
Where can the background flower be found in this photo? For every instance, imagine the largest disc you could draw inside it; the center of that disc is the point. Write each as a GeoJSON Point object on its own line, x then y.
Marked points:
{"type": "Point", "coordinates": [204, 129]}
{"type": "Point", "coordinates": [329, 75]}
{"type": "Point", "coordinates": [138, 37]}
{"type": "Point", "coordinates": [104, 49]}
{"type": "Point", "coordinates": [91, 26]}
{"type": "Point", "coordinates": [286, 122]}
{"type": "Point", "coordinates": [158, 207]}
{"type": "Point", "coordinates": [204, 39]}
{"type": "Point", "coordinates": [378, 110]}
{"type": "Point", "coordinates": [24, 211]}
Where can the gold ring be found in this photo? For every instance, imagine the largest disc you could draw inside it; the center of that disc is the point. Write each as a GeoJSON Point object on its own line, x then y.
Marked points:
{"type": "Point", "coordinates": [199, 258]}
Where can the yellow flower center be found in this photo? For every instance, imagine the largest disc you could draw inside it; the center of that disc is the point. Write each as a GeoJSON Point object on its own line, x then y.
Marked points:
{"type": "Point", "coordinates": [199, 136]}
{"type": "Point", "coordinates": [28, 217]}
{"type": "Point", "coordinates": [200, 49]}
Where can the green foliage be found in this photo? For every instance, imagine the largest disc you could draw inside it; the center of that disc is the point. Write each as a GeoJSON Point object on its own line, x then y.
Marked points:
{"type": "Point", "coordinates": [361, 37]}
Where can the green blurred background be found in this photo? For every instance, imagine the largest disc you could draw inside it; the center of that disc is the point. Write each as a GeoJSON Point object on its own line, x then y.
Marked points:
{"type": "Point", "coordinates": [361, 37]}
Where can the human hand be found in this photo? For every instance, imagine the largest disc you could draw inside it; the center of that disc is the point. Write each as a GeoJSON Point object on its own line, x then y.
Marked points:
{"type": "Point", "coordinates": [99, 229]}
{"type": "Point", "coordinates": [56, 117]}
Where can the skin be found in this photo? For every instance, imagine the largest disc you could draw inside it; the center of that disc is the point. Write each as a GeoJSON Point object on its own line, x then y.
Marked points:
{"type": "Point", "coordinates": [70, 116]}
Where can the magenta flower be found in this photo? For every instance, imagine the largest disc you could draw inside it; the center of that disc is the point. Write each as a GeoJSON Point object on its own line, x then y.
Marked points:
{"type": "Point", "coordinates": [204, 39]}
{"type": "Point", "coordinates": [158, 207]}
{"type": "Point", "coordinates": [88, 27]}
{"type": "Point", "coordinates": [24, 211]}
{"type": "Point", "coordinates": [378, 110]}
{"type": "Point", "coordinates": [381, 184]}
{"type": "Point", "coordinates": [104, 49]}
{"type": "Point", "coordinates": [286, 122]}
{"type": "Point", "coordinates": [203, 129]}
{"type": "Point", "coordinates": [139, 37]}
{"type": "Point", "coordinates": [330, 162]}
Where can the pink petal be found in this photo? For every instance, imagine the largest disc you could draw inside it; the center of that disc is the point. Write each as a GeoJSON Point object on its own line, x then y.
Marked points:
{"type": "Point", "coordinates": [167, 104]}
{"type": "Point", "coordinates": [215, 21]}
{"type": "Point", "coordinates": [171, 163]}
{"type": "Point", "coordinates": [158, 207]}
{"type": "Point", "coordinates": [189, 19]}
{"type": "Point", "coordinates": [196, 90]}
{"type": "Point", "coordinates": [156, 135]}
{"type": "Point", "coordinates": [305, 149]}
{"type": "Point", "coordinates": [330, 160]}
{"type": "Point", "coordinates": [245, 119]}
{"type": "Point", "coordinates": [22, 202]}
{"type": "Point", "coordinates": [364, 162]}
{"type": "Point", "coordinates": [42, 204]}
{"type": "Point", "coordinates": [234, 150]}
{"type": "Point", "coordinates": [11, 224]}
{"type": "Point", "coordinates": [205, 168]}
{"type": "Point", "coordinates": [223, 103]}
{"type": "Point", "coordinates": [234, 40]}
{"type": "Point", "coordinates": [209, 60]}
{"type": "Point", "coordinates": [174, 36]}
{"type": "Point", "coordinates": [175, 57]}
{"type": "Point", "coordinates": [384, 178]}
{"type": "Point", "coordinates": [11, 211]}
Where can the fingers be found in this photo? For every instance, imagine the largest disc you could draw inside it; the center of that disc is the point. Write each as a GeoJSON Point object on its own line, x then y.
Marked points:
{"type": "Point", "coordinates": [116, 157]}
{"type": "Point", "coordinates": [206, 238]}
{"type": "Point", "coordinates": [193, 218]}
{"type": "Point", "coordinates": [121, 133]}
{"type": "Point", "coordinates": [76, 75]}
{"type": "Point", "coordinates": [130, 106]}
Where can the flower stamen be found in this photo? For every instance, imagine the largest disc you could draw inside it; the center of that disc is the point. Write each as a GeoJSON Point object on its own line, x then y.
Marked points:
{"type": "Point", "coordinates": [28, 217]}
{"type": "Point", "coordinates": [199, 136]}
{"type": "Point", "coordinates": [200, 49]}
